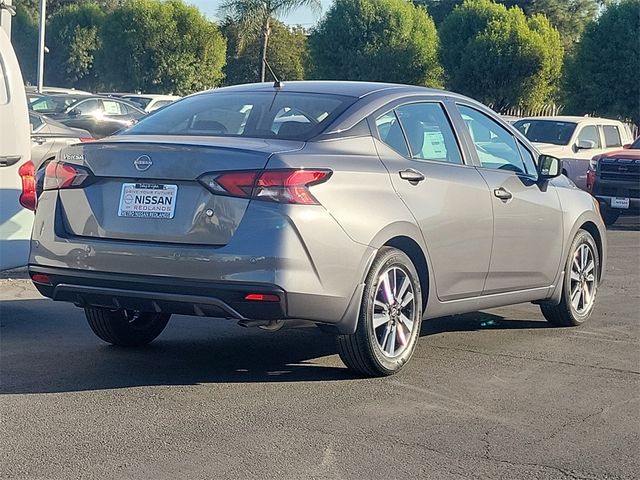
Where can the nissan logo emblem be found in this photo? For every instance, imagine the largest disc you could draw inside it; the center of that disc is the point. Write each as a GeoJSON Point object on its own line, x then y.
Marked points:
{"type": "Point", "coordinates": [142, 163]}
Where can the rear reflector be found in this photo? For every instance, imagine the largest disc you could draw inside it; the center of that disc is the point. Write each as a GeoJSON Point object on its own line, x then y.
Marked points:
{"type": "Point", "coordinates": [40, 278]}
{"type": "Point", "coordinates": [27, 174]}
{"type": "Point", "coordinates": [262, 297]}
{"type": "Point", "coordinates": [283, 186]}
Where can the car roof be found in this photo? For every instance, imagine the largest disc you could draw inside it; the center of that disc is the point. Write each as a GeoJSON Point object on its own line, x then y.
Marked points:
{"type": "Point", "coordinates": [153, 96]}
{"type": "Point", "coordinates": [347, 88]}
{"type": "Point", "coordinates": [574, 119]}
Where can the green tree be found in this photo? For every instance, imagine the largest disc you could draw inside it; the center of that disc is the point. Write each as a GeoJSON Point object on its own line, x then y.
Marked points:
{"type": "Point", "coordinates": [24, 37]}
{"type": "Point", "coordinates": [254, 19]}
{"type": "Point", "coordinates": [499, 56]}
{"type": "Point", "coordinates": [602, 77]}
{"type": "Point", "coordinates": [376, 40]}
{"type": "Point", "coordinates": [287, 52]}
{"type": "Point", "coordinates": [569, 16]}
{"type": "Point", "coordinates": [73, 39]}
{"type": "Point", "coordinates": [157, 46]}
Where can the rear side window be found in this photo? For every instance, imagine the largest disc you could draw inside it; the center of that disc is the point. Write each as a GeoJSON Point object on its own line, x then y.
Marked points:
{"type": "Point", "coordinates": [390, 132]}
{"type": "Point", "coordinates": [429, 133]}
{"type": "Point", "coordinates": [4, 92]}
{"type": "Point", "coordinates": [611, 136]}
{"type": "Point", "coordinates": [87, 107]}
{"type": "Point", "coordinates": [277, 114]}
{"type": "Point", "coordinates": [113, 108]}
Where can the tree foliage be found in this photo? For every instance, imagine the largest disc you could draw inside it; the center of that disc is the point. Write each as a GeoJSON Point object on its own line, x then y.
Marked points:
{"type": "Point", "coordinates": [499, 56]}
{"type": "Point", "coordinates": [376, 40]}
{"type": "Point", "coordinates": [287, 52]}
{"type": "Point", "coordinates": [603, 75]}
{"type": "Point", "coordinates": [24, 37]}
{"type": "Point", "coordinates": [157, 46]}
{"type": "Point", "coordinates": [73, 38]}
{"type": "Point", "coordinates": [254, 19]}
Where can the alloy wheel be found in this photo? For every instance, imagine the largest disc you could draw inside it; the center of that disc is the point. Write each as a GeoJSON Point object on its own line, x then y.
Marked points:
{"type": "Point", "coordinates": [583, 279]}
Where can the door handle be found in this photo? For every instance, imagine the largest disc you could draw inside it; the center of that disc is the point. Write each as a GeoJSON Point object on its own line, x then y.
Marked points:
{"type": "Point", "coordinates": [39, 140]}
{"type": "Point", "coordinates": [411, 175]}
{"type": "Point", "coordinates": [8, 160]}
{"type": "Point", "coordinates": [502, 193]}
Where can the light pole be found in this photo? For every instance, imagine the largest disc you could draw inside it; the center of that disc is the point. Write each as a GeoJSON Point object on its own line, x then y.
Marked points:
{"type": "Point", "coordinates": [43, 14]}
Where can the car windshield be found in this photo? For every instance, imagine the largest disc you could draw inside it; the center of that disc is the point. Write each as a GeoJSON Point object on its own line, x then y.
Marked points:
{"type": "Point", "coordinates": [53, 103]}
{"type": "Point", "coordinates": [546, 131]}
{"type": "Point", "coordinates": [141, 102]}
{"type": "Point", "coordinates": [277, 114]}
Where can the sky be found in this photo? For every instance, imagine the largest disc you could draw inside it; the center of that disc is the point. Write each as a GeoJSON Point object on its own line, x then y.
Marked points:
{"type": "Point", "coordinates": [301, 16]}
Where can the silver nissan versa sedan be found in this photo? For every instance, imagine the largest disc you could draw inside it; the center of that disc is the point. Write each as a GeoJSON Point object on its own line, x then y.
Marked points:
{"type": "Point", "coordinates": [361, 207]}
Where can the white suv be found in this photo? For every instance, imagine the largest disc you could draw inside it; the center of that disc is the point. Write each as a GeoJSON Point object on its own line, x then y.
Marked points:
{"type": "Point", "coordinates": [17, 182]}
{"type": "Point", "coordinates": [575, 140]}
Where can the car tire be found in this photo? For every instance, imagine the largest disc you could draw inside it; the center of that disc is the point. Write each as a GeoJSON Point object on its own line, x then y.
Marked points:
{"type": "Point", "coordinates": [609, 216]}
{"type": "Point", "coordinates": [581, 272]}
{"type": "Point", "coordinates": [126, 328]}
{"type": "Point", "coordinates": [387, 332]}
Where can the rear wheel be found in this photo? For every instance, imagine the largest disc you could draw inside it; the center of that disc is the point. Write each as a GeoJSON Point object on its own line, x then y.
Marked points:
{"type": "Point", "coordinates": [125, 327]}
{"type": "Point", "coordinates": [390, 317]}
{"type": "Point", "coordinates": [580, 284]}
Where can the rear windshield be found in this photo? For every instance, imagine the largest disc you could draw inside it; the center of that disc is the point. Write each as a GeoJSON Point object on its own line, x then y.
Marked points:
{"type": "Point", "coordinates": [546, 131]}
{"type": "Point", "coordinates": [284, 115]}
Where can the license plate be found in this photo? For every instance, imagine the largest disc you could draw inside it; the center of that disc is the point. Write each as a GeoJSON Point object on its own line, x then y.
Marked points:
{"type": "Point", "coordinates": [617, 202]}
{"type": "Point", "coordinates": [147, 200]}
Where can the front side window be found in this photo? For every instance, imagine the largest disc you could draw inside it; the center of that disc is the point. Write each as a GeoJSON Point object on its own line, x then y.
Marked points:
{"type": "Point", "coordinates": [390, 132]}
{"type": "Point", "coordinates": [87, 107]}
{"type": "Point", "coordinates": [36, 122]}
{"type": "Point", "coordinates": [612, 136]}
{"type": "Point", "coordinates": [588, 137]}
{"type": "Point", "coordinates": [429, 133]}
{"type": "Point", "coordinates": [495, 146]}
{"type": "Point", "coordinates": [276, 114]}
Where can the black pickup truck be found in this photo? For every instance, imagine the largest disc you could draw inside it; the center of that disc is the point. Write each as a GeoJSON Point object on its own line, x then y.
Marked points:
{"type": "Point", "coordinates": [614, 179]}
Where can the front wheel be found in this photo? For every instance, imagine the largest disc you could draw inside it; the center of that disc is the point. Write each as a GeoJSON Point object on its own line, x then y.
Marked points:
{"type": "Point", "coordinates": [580, 287]}
{"type": "Point", "coordinates": [390, 317]}
{"type": "Point", "coordinates": [125, 327]}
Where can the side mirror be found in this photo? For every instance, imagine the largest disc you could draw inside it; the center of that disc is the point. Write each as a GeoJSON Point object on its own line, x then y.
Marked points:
{"type": "Point", "coordinates": [585, 144]}
{"type": "Point", "coordinates": [549, 167]}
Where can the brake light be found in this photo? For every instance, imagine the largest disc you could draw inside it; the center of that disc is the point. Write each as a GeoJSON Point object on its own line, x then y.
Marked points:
{"type": "Point", "coordinates": [60, 175]}
{"type": "Point", "coordinates": [283, 186]}
{"type": "Point", "coordinates": [27, 172]}
{"type": "Point", "coordinates": [87, 139]}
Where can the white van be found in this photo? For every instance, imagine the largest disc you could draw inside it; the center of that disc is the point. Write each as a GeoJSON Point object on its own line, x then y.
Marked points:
{"type": "Point", "coordinates": [575, 140]}
{"type": "Point", "coordinates": [17, 182]}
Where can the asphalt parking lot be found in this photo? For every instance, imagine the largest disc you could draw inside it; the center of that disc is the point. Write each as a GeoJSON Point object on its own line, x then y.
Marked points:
{"type": "Point", "coordinates": [495, 394]}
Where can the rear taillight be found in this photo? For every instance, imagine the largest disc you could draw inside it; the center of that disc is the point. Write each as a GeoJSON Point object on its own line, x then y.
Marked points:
{"type": "Point", "coordinates": [60, 175]}
{"type": "Point", "coordinates": [283, 186]}
{"type": "Point", "coordinates": [27, 174]}
{"type": "Point", "coordinates": [591, 177]}
{"type": "Point", "coordinates": [87, 139]}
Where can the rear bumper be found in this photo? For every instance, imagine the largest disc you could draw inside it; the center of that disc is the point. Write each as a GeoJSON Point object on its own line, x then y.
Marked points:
{"type": "Point", "coordinates": [160, 294]}
{"type": "Point", "coordinates": [605, 202]}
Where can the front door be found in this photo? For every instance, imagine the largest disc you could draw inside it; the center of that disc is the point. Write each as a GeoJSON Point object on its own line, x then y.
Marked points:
{"type": "Point", "coordinates": [448, 197]}
{"type": "Point", "coordinates": [528, 229]}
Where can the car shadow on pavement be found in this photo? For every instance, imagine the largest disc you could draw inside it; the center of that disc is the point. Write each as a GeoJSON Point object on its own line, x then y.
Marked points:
{"type": "Point", "coordinates": [47, 347]}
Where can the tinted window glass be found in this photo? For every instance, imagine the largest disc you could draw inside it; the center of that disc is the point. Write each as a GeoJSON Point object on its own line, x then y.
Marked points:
{"type": "Point", "coordinates": [496, 147]}
{"type": "Point", "coordinates": [35, 121]}
{"type": "Point", "coordinates": [589, 136]}
{"type": "Point", "coordinates": [142, 102]}
{"type": "Point", "coordinates": [87, 107]}
{"type": "Point", "coordinates": [527, 157]}
{"type": "Point", "coordinates": [546, 131]}
{"type": "Point", "coordinates": [160, 103]}
{"type": "Point", "coordinates": [429, 133]}
{"type": "Point", "coordinates": [391, 133]}
{"type": "Point", "coordinates": [612, 136]}
{"type": "Point", "coordinates": [248, 114]}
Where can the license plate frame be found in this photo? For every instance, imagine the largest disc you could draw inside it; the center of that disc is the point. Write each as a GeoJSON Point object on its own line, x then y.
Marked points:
{"type": "Point", "coordinates": [148, 200]}
{"type": "Point", "coordinates": [620, 202]}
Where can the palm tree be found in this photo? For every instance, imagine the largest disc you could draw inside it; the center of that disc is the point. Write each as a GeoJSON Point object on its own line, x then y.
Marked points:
{"type": "Point", "coordinates": [253, 18]}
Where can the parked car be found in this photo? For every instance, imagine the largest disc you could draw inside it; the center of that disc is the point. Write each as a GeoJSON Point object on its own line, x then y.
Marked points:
{"type": "Point", "coordinates": [149, 103]}
{"type": "Point", "coordinates": [53, 104]}
{"type": "Point", "coordinates": [56, 90]}
{"type": "Point", "coordinates": [575, 140]}
{"type": "Point", "coordinates": [383, 205]}
{"type": "Point", "coordinates": [17, 182]}
{"type": "Point", "coordinates": [49, 136]}
{"type": "Point", "coordinates": [100, 116]}
{"type": "Point", "coordinates": [614, 179]}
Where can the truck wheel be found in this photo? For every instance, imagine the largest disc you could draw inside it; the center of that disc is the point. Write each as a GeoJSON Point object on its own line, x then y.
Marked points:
{"type": "Point", "coordinates": [580, 287]}
{"type": "Point", "coordinates": [125, 327]}
{"type": "Point", "coordinates": [609, 216]}
{"type": "Point", "coordinates": [390, 317]}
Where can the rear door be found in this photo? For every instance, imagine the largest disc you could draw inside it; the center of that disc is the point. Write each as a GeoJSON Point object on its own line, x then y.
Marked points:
{"type": "Point", "coordinates": [446, 195]}
{"type": "Point", "coordinates": [528, 230]}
